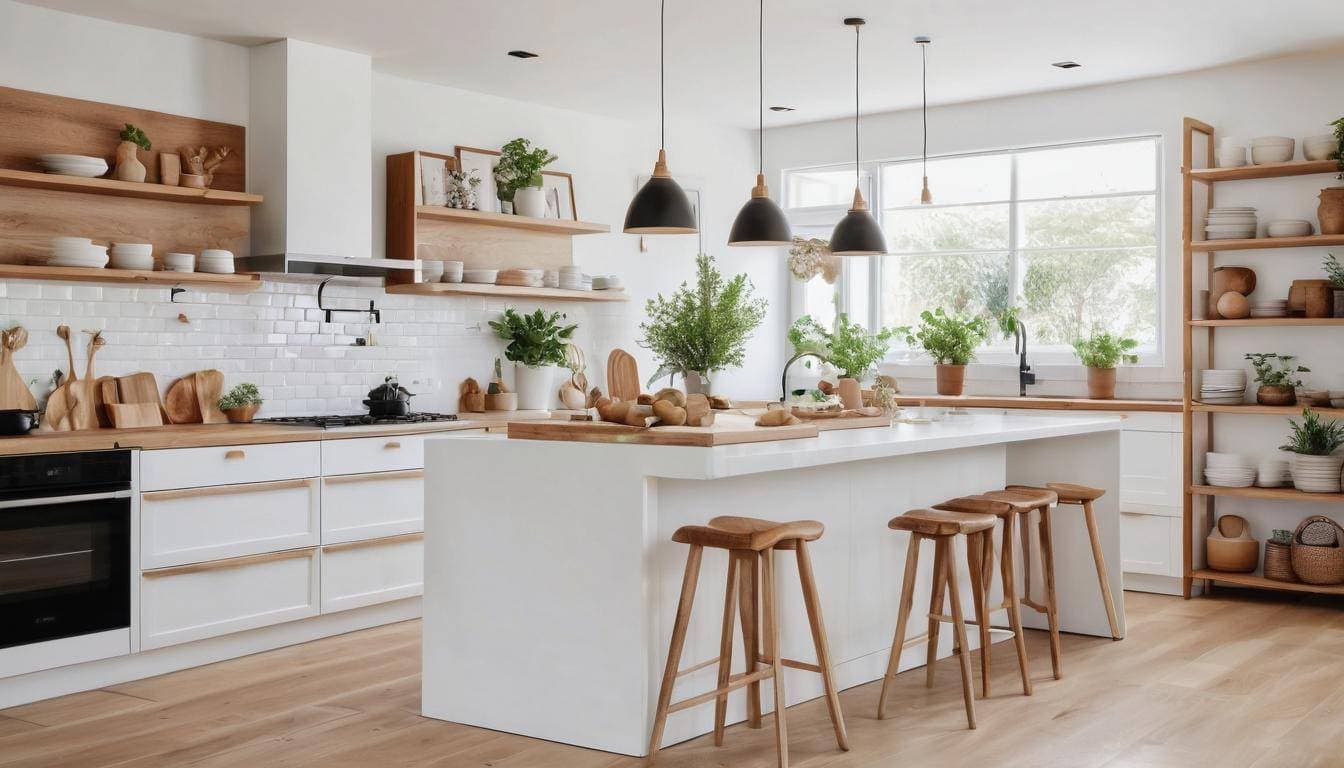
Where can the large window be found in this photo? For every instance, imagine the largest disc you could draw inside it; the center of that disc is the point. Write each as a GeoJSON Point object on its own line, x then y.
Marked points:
{"type": "Point", "coordinates": [1067, 234]}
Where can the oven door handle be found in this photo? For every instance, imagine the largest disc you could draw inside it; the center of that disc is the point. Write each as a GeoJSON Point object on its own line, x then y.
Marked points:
{"type": "Point", "coordinates": [46, 501]}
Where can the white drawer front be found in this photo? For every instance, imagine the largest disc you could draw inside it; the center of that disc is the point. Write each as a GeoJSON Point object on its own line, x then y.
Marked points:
{"type": "Point", "coordinates": [373, 505]}
{"type": "Point", "coordinates": [1150, 544]}
{"type": "Point", "coordinates": [365, 573]}
{"type": "Point", "coordinates": [197, 524]}
{"type": "Point", "coordinates": [1150, 472]}
{"type": "Point", "coordinates": [178, 605]}
{"type": "Point", "coordinates": [226, 465]}
{"type": "Point", "coordinates": [373, 454]}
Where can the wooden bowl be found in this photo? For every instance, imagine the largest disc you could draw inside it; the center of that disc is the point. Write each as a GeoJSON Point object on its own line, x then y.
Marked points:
{"type": "Point", "coordinates": [1239, 279]}
{"type": "Point", "coordinates": [242, 414]}
{"type": "Point", "coordinates": [504, 401]}
{"type": "Point", "coordinates": [1234, 306]}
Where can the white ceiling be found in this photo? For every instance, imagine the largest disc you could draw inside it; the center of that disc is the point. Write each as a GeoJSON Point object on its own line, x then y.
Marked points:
{"type": "Point", "coordinates": [601, 55]}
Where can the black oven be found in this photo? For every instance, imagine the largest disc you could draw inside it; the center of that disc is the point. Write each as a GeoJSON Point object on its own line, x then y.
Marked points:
{"type": "Point", "coordinates": [65, 545]}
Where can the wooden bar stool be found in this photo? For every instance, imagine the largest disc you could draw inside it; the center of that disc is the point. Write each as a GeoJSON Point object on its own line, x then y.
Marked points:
{"type": "Point", "coordinates": [751, 544]}
{"type": "Point", "coordinates": [983, 562]}
{"type": "Point", "coordinates": [941, 526]}
{"type": "Point", "coordinates": [1024, 500]}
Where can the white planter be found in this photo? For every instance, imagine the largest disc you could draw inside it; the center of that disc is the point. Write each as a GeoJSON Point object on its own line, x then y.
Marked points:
{"type": "Point", "coordinates": [1317, 474]}
{"type": "Point", "coordinates": [535, 386]}
{"type": "Point", "coordinates": [530, 201]}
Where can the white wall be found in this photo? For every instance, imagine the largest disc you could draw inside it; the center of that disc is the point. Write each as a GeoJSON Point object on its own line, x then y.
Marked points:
{"type": "Point", "coordinates": [1289, 97]}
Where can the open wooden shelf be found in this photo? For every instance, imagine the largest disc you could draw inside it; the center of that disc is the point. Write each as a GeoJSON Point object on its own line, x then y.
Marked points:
{"type": "Point", "coordinates": [1268, 494]}
{"type": "Point", "coordinates": [143, 191]}
{"type": "Point", "coordinates": [1257, 243]}
{"type": "Point", "coordinates": [1254, 322]}
{"type": "Point", "coordinates": [1267, 171]}
{"type": "Point", "coordinates": [1260, 582]}
{"type": "Point", "coordinates": [242, 281]}
{"type": "Point", "coordinates": [514, 291]}
{"type": "Point", "coordinates": [553, 226]}
{"type": "Point", "coordinates": [1266, 410]}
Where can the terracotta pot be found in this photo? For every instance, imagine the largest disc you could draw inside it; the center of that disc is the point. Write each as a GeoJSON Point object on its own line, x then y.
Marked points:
{"type": "Point", "coordinates": [1101, 383]}
{"type": "Point", "coordinates": [129, 167]}
{"type": "Point", "coordinates": [1330, 212]}
{"type": "Point", "coordinates": [192, 180]}
{"type": "Point", "coordinates": [951, 379]}
{"type": "Point", "coordinates": [851, 394]}
{"type": "Point", "coordinates": [1275, 396]}
{"type": "Point", "coordinates": [1317, 298]}
{"type": "Point", "coordinates": [242, 414]}
{"type": "Point", "coordinates": [1239, 279]}
{"type": "Point", "coordinates": [1339, 302]}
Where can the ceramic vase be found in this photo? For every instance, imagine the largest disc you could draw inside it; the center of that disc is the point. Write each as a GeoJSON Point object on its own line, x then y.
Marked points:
{"type": "Point", "coordinates": [1101, 383]}
{"type": "Point", "coordinates": [1330, 213]}
{"type": "Point", "coordinates": [1275, 396]}
{"type": "Point", "coordinates": [530, 201]}
{"type": "Point", "coordinates": [129, 167]}
{"type": "Point", "coordinates": [535, 386]}
{"type": "Point", "coordinates": [851, 394]}
{"type": "Point", "coordinates": [695, 383]}
{"type": "Point", "coordinates": [170, 168]}
{"type": "Point", "coordinates": [1317, 474]}
{"type": "Point", "coordinates": [242, 414]}
{"type": "Point", "coordinates": [951, 379]}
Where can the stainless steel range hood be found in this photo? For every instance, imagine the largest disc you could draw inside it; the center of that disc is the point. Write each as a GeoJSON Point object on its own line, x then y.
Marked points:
{"type": "Point", "coordinates": [319, 267]}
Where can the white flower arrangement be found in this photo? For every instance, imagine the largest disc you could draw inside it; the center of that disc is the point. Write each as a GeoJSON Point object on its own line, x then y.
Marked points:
{"type": "Point", "coordinates": [809, 257]}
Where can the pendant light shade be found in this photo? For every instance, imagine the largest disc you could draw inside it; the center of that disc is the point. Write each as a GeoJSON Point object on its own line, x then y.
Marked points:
{"type": "Point", "coordinates": [661, 207]}
{"type": "Point", "coordinates": [760, 222]}
{"type": "Point", "coordinates": [857, 234]}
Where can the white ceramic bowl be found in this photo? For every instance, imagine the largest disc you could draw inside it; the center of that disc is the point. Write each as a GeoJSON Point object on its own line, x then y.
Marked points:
{"type": "Point", "coordinates": [1318, 147]}
{"type": "Point", "coordinates": [431, 270]}
{"type": "Point", "coordinates": [130, 261]}
{"type": "Point", "coordinates": [1288, 228]}
{"type": "Point", "coordinates": [1271, 153]}
{"type": "Point", "coordinates": [1264, 141]}
{"type": "Point", "coordinates": [1231, 157]}
{"type": "Point", "coordinates": [74, 165]}
{"type": "Point", "coordinates": [216, 253]}
{"type": "Point", "coordinates": [1214, 459]}
{"type": "Point", "coordinates": [179, 262]}
{"type": "Point", "coordinates": [133, 249]}
{"type": "Point", "coordinates": [479, 275]}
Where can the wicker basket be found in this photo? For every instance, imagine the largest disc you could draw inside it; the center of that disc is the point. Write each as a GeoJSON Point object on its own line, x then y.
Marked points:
{"type": "Point", "coordinates": [1278, 562]}
{"type": "Point", "coordinates": [1318, 565]}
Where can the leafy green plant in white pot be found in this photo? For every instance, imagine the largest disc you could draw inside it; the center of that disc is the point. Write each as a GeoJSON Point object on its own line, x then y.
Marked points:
{"type": "Point", "coordinates": [518, 177]}
{"type": "Point", "coordinates": [1316, 467]}
{"type": "Point", "coordinates": [537, 349]}
{"type": "Point", "coordinates": [1101, 353]}
{"type": "Point", "coordinates": [850, 347]}
{"type": "Point", "coordinates": [951, 341]}
{"type": "Point", "coordinates": [702, 329]}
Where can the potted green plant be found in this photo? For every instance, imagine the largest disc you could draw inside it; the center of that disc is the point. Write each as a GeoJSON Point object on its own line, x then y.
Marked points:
{"type": "Point", "coordinates": [1101, 352]}
{"type": "Point", "coordinates": [518, 177]}
{"type": "Point", "coordinates": [702, 329]}
{"type": "Point", "coordinates": [1313, 443]}
{"type": "Point", "coordinates": [1330, 213]}
{"type": "Point", "coordinates": [1277, 377]}
{"type": "Point", "coordinates": [129, 167]}
{"type": "Point", "coordinates": [240, 404]}
{"type": "Point", "coordinates": [951, 341]}
{"type": "Point", "coordinates": [1335, 271]}
{"type": "Point", "coordinates": [850, 348]}
{"type": "Point", "coordinates": [537, 349]}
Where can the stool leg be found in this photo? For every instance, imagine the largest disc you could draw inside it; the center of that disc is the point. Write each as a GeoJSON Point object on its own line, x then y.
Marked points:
{"type": "Point", "coordinates": [1025, 532]}
{"type": "Point", "coordinates": [813, 605]}
{"type": "Point", "coordinates": [749, 608]}
{"type": "Point", "coordinates": [935, 607]}
{"type": "Point", "coordinates": [1102, 576]}
{"type": "Point", "coordinates": [769, 598]}
{"type": "Point", "coordinates": [1014, 603]}
{"type": "Point", "coordinates": [726, 648]}
{"type": "Point", "coordinates": [902, 619]}
{"type": "Point", "coordinates": [1048, 570]}
{"type": "Point", "coordinates": [688, 583]}
{"type": "Point", "coordinates": [959, 626]}
{"type": "Point", "coordinates": [975, 553]}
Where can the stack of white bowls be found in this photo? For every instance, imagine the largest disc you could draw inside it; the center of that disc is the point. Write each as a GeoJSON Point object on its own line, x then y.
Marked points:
{"type": "Point", "coordinates": [179, 262]}
{"type": "Point", "coordinates": [606, 283]}
{"type": "Point", "coordinates": [452, 271]}
{"type": "Point", "coordinates": [1228, 470]}
{"type": "Point", "coordinates": [1269, 307]}
{"type": "Point", "coordinates": [132, 256]}
{"type": "Point", "coordinates": [1222, 386]}
{"type": "Point", "coordinates": [571, 278]}
{"type": "Point", "coordinates": [215, 261]}
{"type": "Point", "coordinates": [76, 252]}
{"type": "Point", "coordinates": [1318, 147]}
{"type": "Point", "coordinates": [1230, 222]}
{"type": "Point", "coordinates": [1273, 473]}
{"type": "Point", "coordinates": [483, 276]}
{"type": "Point", "coordinates": [551, 278]}
{"type": "Point", "coordinates": [1288, 228]}
{"type": "Point", "coordinates": [1272, 149]}
{"type": "Point", "coordinates": [74, 165]}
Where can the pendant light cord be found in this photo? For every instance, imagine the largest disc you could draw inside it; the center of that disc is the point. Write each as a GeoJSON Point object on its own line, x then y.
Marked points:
{"type": "Point", "coordinates": [760, 92]}
{"type": "Point", "coordinates": [924, 59]}
{"type": "Point", "coordinates": [662, 75]}
{"type": "Point", "coordinates": [856, 107]}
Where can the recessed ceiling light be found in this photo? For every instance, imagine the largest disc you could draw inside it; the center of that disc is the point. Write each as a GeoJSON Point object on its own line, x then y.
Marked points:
{"type": "Point", "coordinates": [523, 54]}
{"type": "Point", "coordinates": [782, 109]}
{"type": "Point", "coordinates": [1066, 64]}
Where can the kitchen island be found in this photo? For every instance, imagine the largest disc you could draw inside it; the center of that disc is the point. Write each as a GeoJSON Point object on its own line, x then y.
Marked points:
{"type": "Point", "coordinates": [551, 580]}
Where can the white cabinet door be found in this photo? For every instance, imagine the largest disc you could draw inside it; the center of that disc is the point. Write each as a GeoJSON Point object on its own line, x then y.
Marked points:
{"type": "Point", "coordinates": [1150, 544]}
{"type": "Point", "coordinates": [356, 507]}
{"type": "Point", "coordinates": [363, 573]}
{"type": "Point", "coordinates": [373, 454]}
{"type": "Point", "coordinates": [227, 465]}
{"type": "Point", "coordinates": [193, 525]}
{"type": "Point", "coordinates": [192, 602]}
{"type": "Point", "coordinates": [1150, 472]}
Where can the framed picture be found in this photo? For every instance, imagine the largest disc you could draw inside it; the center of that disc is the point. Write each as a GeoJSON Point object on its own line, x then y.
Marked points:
{"type": "Point", "coordinates": [434, 170]}
{"type": "Point", "coordinates": [559, 188]}
{"type": "Point", "coordinates": [483, 162]}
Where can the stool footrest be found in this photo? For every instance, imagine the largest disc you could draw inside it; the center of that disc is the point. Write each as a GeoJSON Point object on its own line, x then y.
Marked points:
{"type": "Point", "coordinates": [734, 682]}
{"type": "Point", "coordinates": [792, 664]}
{"type": "Point", "coordinates": [970, 623]}
{"type": "Point", "coordinates": [698, 667]}
{"type": "Point", "coordinates": [1035, 606]}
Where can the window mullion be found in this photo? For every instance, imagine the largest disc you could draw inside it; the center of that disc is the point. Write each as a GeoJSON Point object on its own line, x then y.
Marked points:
{"type": "Point", "coordinates": [1015, 265]}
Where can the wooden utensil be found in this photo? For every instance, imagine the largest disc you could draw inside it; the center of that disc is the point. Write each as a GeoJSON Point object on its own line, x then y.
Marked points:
{"type": "Point", "coordinates": [57, 415]}
{"type": "Point", "coordinates": [104, 394]}
{"type": "Point", "coordinates": [209, 388]}
{"type": "Point", "coordinates": [83, 397]}
{"type": "Point", "coordinates": [14, 394]}
{"type": "Point", "coordinates": [622, 375]}
{"type": "Point", "coordinates": [129, 415]}
{"type": "Point", "coordinates": [180, 404]}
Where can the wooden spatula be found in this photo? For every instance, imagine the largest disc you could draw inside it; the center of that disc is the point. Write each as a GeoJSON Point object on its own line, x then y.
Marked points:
{"type": "Point", "coordinates": [209, 388]}
{"type": "Point", "coordinates": [180, 403]}
{"type": "Point", "coordinates": [622, 375]}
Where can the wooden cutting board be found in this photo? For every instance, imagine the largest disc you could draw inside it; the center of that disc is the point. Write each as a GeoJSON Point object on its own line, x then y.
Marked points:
{"type": "Point", "coordinates": [209, 388]}
{"type": "Point", "coordinates": [180, 405]}
{"type": "Point", "coordinates": [131, 415]}
{"type": "Point", "coordinates": [104, 394]}
{"type": "Point", "coordinates": [14, 394]}
{"type": "Point", "coordinates": [139, 387]}
{"type": "Point", "coordinates": [728, 429]}
{"type": "Point", "coordinates": [622, 375]}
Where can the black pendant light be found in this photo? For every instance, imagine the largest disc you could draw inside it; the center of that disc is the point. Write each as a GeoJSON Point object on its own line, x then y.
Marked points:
{"type": "Point", "coordinates": [925, 196]}
{"type": "Point", "coordinates": [760, 222]}
{"type": "Point", "coordinates": [661, 207]}
{"type": "Point", "coordinates": [857, 234]}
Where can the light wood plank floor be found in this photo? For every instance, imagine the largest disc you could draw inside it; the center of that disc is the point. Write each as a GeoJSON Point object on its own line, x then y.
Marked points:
{"type": "Point", "coordinates": [1239, 679]}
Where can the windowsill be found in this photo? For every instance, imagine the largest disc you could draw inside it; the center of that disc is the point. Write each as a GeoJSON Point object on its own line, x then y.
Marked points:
{"type": "Point", "coordinates": [1132, 381]}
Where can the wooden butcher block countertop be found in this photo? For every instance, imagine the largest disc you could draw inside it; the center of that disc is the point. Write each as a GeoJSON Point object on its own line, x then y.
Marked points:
{"type": "Point", "coordinates": [1040, 403]}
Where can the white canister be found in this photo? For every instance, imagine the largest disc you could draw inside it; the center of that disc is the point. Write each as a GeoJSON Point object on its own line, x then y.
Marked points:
{"type": "Point", "coordinates": [535, 386]}
{"type": "Point", "coordinates": [530, 201]}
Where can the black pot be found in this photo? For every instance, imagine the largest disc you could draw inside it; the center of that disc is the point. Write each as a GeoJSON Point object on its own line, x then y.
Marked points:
{"type": "Point", "coordinates": [382, 408]}
{"type": "Point", "coordinates": [17, 422]}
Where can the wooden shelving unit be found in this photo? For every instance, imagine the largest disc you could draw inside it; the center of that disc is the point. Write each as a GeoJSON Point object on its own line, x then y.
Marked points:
{"type": "Point", "coordinates": [507, 291]}
{"type": "Point", "coordinates": [1207, 495]}
{"type": "Point", "coordinates": [525, 223]}
{"type": "Point", "coordinates": [240, 281]}
{"type": "Point", "coordinates": [141, 191]}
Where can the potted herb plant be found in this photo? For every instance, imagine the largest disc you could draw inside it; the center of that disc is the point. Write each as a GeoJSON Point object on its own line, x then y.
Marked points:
{"type": "Point", "coordinates": [129, 167]}
{"type": "Point", "coordinates": [1330, 213]}
{"type": "Point", "coordinates": [850, 347]}
{"type": "Point", "coordinates": [518, 177]}
{"type": "Point", "coordinates": [702, 329]}
{"type": "Point", "coordinates": [240, 404]}
{"type": "Point", "coordinates": [1277, 377]}
{"type": "Point", "coordinates": [1335, 271]}
{"type": "Point", "coordinates": [951, 341]}
{"type": "Point", "coordinates": [537, 348]}
{"type": "Point", "coordinates": [1313, 443]}
{"type": "Point", "coordinates": [1101, 352]}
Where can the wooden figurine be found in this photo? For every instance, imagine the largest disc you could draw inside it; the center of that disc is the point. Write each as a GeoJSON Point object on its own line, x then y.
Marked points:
{"type": "Point", "coordinates": [202, 161]}
{"type": "Point", "coordinates": [472, 399]}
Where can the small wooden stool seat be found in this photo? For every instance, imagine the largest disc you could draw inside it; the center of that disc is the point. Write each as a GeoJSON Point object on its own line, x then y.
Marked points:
{"type": "Point", "coordinates": [941, 522]}
{"type": "Point", "coordinates": [1071, 493]}
{"type": "Point", "coordinates": [752, 597]}
{"type": "Point", "coordinates": [1024, 499]}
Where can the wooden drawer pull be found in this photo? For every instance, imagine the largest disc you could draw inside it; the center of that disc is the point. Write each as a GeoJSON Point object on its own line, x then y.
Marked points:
{"type": "Point", "coordinates": [406, 474]}
{"type": "Point", "coordinates": [227, 490]}
{"type": "Point", "coordinates": [392, 445]}
{"type": "Point", "coordinates": [233, 562]}
{"type": "Point", "coordinates": [345, 546]}
{"type": "Point", "coordinates": [235, 454]}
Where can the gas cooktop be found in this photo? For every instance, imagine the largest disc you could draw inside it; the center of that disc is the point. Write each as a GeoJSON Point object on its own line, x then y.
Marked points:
{"type": "Point", "coordinates": [357, 420]}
